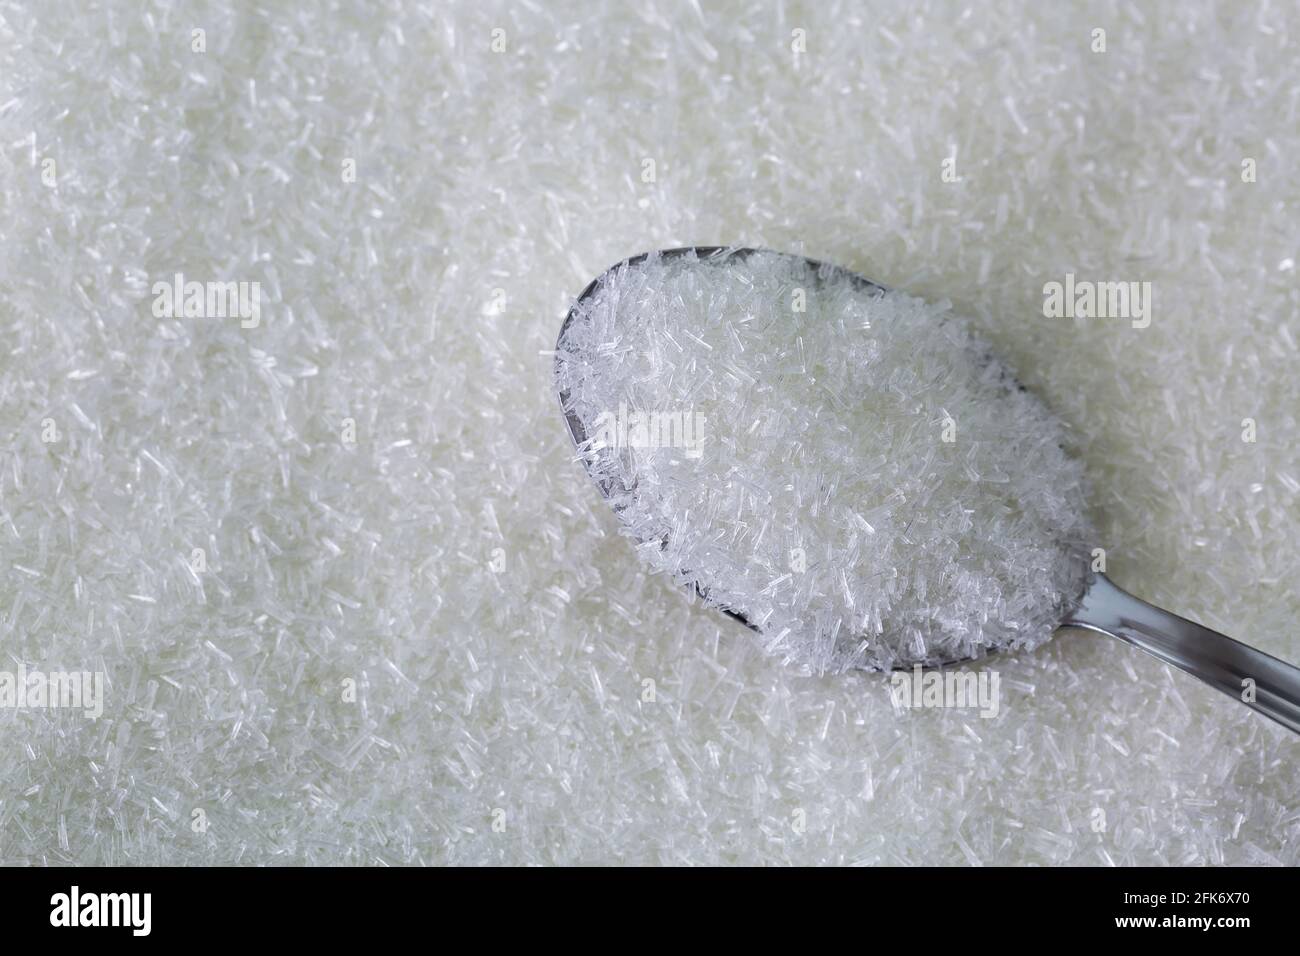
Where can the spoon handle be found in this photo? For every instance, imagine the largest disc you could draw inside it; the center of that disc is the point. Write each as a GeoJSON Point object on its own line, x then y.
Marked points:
{"type": "Point", "coordinates": [1262, 682]}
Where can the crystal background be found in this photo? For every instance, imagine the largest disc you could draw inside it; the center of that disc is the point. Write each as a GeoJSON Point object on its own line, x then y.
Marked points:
{"type": "Point", "coordinates": [353, 598]}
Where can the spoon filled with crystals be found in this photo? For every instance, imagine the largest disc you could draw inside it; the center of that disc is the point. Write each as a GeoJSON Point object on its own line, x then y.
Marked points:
{"type": "Point", "coordinates": [850, 471]}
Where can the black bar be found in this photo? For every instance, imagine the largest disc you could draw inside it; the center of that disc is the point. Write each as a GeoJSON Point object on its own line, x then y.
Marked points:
{"type": "Point", "coordinates": [333, 907]}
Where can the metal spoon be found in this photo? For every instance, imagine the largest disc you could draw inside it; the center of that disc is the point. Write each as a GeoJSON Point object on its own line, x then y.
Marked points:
{"type": "Point", "coordinates": [1262, 682]}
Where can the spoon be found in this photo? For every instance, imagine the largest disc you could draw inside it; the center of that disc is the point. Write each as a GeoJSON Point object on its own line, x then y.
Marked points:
{"type": "Point", "coordinates": [1262, 682]}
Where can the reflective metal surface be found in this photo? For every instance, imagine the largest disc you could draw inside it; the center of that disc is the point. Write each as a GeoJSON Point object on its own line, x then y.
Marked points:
{"type": "Point", "coordinates": [1260, 681]}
